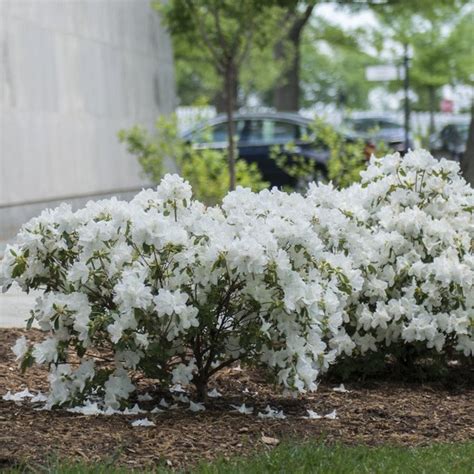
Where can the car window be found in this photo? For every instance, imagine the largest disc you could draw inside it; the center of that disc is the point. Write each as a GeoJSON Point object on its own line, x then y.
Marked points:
{"type": "Point", "coordinates": [268, 131]}
{"type": "Point", "coordinates": [216, 133]}
{"type": "Point", "coordinates": [253, 131]}
{"type": "Point", "coordinates": [387, 124]}
{"type": "Point", "coordinates": [305, 133]}
{"type": "Point", "coordinates": [284, 131]}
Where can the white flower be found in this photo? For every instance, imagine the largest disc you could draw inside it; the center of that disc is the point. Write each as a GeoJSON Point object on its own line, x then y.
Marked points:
{"type": "Point", "coordinates": [183, 374]}
{"type": "Point", "coordinates": [117, 387]}
{"type": "Point", "coordinates": [79, 272]}
{"type": "Point", "coordinates": [20, 348]}
{"type": "Point", "coordinates": [168, 302]}
{"type": "Point", "coordinates": [173, 188]}
{"type": "Point", "coordinates": [46, 351]}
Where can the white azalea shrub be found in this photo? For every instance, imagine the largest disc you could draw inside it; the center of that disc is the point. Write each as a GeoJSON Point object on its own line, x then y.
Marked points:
{"type": "Point", "coordinates": [178, 290]}
{"type": "Point", "coordinates": [409, 227]}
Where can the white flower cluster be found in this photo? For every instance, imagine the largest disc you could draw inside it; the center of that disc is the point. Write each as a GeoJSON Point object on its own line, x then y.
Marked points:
{"type": "Point", "coordinates": [179, 291]}
{"type": "Point", "coordinates": [409, 227]}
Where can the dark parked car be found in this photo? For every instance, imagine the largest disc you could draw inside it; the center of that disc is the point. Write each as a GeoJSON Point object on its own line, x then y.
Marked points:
{"type": "Point", "coordinates": [451, 141]}
{"type": "Point", "coordinates": [377, 129]}
{"type": "Point", "coordinates": [256, 134]}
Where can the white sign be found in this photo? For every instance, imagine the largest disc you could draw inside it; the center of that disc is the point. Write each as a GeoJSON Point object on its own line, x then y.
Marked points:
{"type": "Point", "coordinates": [383, 72]}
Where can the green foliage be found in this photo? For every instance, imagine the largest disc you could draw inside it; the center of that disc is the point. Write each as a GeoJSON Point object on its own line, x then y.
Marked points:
{"type": "Point", "coordinates": [333, 66]}
{"type": "Point", "coordinates": [198, 79]}
{"type": "Point", "coordinates": [440, 36]}
{"type": "Point", "coordinates": [346, 159]}
{"type": "Point", "coordinates": [208, 36]}
{"type": "Point", "coordinates": [206, 170]}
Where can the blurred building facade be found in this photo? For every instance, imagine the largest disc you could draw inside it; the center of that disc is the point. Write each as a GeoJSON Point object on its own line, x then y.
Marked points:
{"type": "Point", "coordinates": [73, 73]}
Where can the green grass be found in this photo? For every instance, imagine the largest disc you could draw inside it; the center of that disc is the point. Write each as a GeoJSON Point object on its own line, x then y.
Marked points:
{"type": "Point", "coordinates": [314, 458]}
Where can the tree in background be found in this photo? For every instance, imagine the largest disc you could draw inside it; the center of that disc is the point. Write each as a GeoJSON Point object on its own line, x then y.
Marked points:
{"type": "Point", "coordinates": [286, 95]}
{"type": "Point", "coordinates": [429, 69]}
{"type": "Point", "coordinates": [436, 48]}
{"type": "Point", "coordinates": [199, 82]}
{"type": "Point", "coordinates": [227, 30]}
{"type": "Point", "coordinates": [333, 66]}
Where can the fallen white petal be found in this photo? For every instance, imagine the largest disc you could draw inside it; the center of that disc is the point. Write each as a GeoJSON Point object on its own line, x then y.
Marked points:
{"type": "Point", "coordinates": [181, 398]}
{"type": "Point", "coordinates": [196, 406]}
{"type": "Point", "coordinates": [135, 410]}
{"type": "Point", "coordinates": [146, 397]}
{"type": "Point", "coordinates": [143, 422]}
{"type": "Point", "coordinates": [214, 394]}
{"type": "Point", "coordinates": [341, 389]}
{"type": "Point", "coordinates": [39, 397]}
{"type": "Point", "coordinates": [18, 396]}
{"type": "Point", "coordinates": [177, 388]}
{"type": "Point", "coordinates": [312, 415]}
{"type": "Point", "coordinates": [271, 413]}
{"type": "Point", "coordinates": [163, 403]}
{"type": "Point", "coordinates": [242, 409]}
{"type": "Point", "coordinates": [88, 409]}
{"type": "Point", "coordinates": [331, 416]}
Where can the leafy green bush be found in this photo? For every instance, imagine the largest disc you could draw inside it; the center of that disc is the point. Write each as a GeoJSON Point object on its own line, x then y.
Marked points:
{"type": "Point", "coordinates": [206, 170]}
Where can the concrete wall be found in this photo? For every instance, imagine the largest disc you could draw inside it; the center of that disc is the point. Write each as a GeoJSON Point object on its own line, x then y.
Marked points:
{"type": "Point", "coordinates": [72, 73]}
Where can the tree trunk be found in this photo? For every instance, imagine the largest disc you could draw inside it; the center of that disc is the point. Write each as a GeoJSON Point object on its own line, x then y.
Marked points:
{"type": "Point", "coordinates": [230, 80]}
{"type": "Point", "coordinates": [219, 100]}
{"type": "Point", "coordinates": [467, 161]}
{"type": "Point", "coordinates": [432, 100]}
{"type": "Point", "coordinates": [287, 93]}
{"type": "Point", "coordinates": [201, 388]}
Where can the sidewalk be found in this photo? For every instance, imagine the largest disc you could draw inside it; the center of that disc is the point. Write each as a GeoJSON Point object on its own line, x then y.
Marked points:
{"type": "Point", "coordinates": [15, 306]}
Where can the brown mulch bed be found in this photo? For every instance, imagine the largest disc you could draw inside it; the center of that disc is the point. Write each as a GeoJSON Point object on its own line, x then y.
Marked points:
{"type": "Point", "coordinates": [373, 412]}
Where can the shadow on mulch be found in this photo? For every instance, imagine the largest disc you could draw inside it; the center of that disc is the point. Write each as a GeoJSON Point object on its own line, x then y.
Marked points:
{"type": "Point", "coordinates": [376, 411]}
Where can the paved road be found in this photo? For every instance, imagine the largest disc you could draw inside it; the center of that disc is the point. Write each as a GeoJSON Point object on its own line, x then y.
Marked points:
{"type": "Point", "coordinates": [15, 307]}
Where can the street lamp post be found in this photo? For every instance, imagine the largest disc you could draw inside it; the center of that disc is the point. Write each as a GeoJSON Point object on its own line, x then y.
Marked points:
{"type": "Point", "coordinates": [406, 88]}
